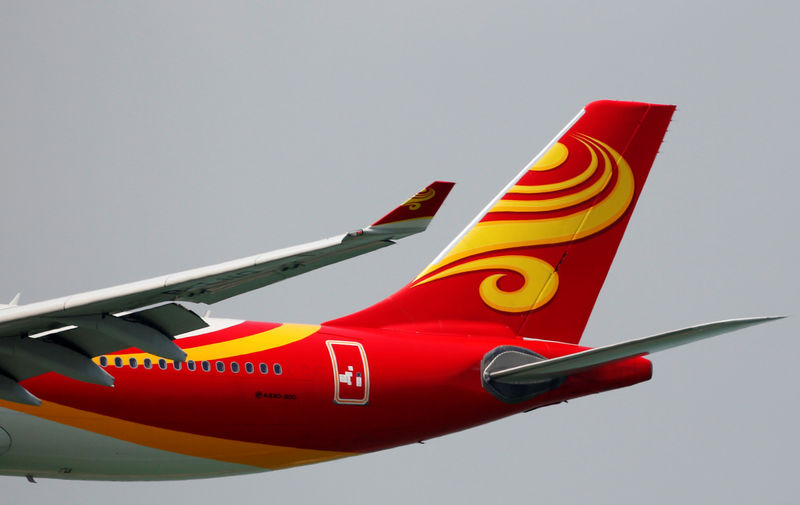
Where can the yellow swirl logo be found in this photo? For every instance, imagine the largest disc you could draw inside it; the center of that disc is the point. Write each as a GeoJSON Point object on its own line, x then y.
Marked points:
{"type": "Point", "coordinates": [596, 207]}
{"type": "Point", "coordinates": [415, 202]}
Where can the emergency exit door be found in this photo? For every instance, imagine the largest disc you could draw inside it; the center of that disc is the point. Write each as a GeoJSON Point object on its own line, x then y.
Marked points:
{"type": "Point", "coordinates": [350, 372]}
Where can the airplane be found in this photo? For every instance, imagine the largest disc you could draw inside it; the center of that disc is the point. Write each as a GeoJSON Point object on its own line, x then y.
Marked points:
{"type": "Point", "coordinates": [126, 383]}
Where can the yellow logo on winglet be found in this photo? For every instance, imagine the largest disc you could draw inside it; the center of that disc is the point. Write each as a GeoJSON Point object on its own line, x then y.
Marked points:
{"type": "Point", "coordinates": [415, 202]}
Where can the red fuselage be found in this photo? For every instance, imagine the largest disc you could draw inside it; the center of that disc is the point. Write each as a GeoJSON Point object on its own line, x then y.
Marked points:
{"type": "Point", "coordinates": [420, 385]}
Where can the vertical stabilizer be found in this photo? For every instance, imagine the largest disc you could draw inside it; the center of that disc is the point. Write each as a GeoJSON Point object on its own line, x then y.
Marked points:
{"type": "Point", "coordinates": [534, 260]}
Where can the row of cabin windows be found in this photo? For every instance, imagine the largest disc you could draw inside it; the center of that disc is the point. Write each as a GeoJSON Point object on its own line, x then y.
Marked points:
{"type": "Point", "coordinates": [192, 366]}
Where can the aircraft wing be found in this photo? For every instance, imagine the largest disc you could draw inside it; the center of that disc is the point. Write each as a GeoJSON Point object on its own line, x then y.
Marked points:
{"type": "Point", "coordinates": [62, 334]}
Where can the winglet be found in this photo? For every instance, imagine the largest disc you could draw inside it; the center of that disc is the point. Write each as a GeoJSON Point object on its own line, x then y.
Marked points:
{"type": "Point", "coordinates": [414, 215]}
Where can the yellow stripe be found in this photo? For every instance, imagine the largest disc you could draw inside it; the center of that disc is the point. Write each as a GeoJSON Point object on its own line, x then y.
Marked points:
{"type": "Point", "coordinates": [270, 339]}
{"type": "Point", "coordinates": [490, 236]}
{"type": "Point", "coordinates": [559, 202]}
{"type": "Point", "coordinates": [558, 186]}
{"type": "Point", "coordinates": [554, 157]}
{"type": "Point", "coordinates": [539, 286]}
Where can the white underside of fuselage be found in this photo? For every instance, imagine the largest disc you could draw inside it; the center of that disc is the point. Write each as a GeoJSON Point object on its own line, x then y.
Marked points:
{"type": "Point", "coordinates": [30, 446]}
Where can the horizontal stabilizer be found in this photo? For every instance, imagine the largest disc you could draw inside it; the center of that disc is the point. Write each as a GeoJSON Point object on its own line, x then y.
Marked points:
{"type": "Point", "coordinates": [574, 363]}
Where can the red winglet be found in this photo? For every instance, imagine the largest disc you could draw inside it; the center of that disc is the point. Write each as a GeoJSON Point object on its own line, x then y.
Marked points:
{"type": "Point", "coordinates": [423, 205]}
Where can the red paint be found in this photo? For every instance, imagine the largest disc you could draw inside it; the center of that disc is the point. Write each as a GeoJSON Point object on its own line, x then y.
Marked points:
{"type": "Point", "coordinates": [421, 386]}
{"type": "Point", "coordinates": [635, 131]}
{"type": "Point", "coordinates": [422, 205]}
{"type": "Point", "coordinates": [408, 368]}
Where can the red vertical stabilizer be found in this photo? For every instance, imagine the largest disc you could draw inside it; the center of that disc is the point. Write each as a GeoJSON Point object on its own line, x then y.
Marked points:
{"type": "Point", "coordinates": [534, 261]}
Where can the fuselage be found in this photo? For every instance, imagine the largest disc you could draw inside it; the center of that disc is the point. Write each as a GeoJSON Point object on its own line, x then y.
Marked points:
{"type": "Point", "coordinates": [468, 341]}
{"type": "Point", "coordinates": [263, 396]}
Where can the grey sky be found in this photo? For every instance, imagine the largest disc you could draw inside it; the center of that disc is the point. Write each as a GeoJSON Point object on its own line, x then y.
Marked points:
{"type": "Point", "coordinates": [142, 138]}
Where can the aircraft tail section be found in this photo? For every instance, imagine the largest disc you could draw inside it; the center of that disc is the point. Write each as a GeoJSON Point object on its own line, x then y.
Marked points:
{"type": "Point", "coordinates": [534, 260]}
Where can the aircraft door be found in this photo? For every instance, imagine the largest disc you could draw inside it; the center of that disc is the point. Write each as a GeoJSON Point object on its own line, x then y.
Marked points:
{"type": "Point", "coordinates": [350, 372]}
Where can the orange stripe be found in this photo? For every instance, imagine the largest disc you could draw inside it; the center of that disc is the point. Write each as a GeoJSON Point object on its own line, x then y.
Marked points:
{"type": "Point", "coordinates": [271, 457]}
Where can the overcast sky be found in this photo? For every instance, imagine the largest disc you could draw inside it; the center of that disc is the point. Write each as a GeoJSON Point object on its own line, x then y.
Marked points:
{"type": "Point", "coordinates": [139, 138]}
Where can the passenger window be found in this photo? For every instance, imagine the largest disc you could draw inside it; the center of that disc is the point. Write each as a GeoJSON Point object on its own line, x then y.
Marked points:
{"type": "Point", "coordinates": [177, 365]}
{"type": "Point", "coordinates": [162, 364]}
{"type": "Point", "coordinates": [133, 362]}
{"type": "Point", "coordinates": [190, 365]}
{"type": "Point", "coordinates": [118, 362]}
{"type": "Point", "coordinates": [103, 361]}
{"type": "Point", "coordinates": [277, 369]}
{"type": "Point", "coordinates": [263, 368]}
{"type": "Point", "coordinates": [148, 363]}
{"type": "Point", "coordinates": [234, 367]}
{"type": "Point", "coordinates": [220, 366]}
{"type": "Point", "coordinates": [248, 367]}
{"type": "Point", "coordinates": [206, 366]}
